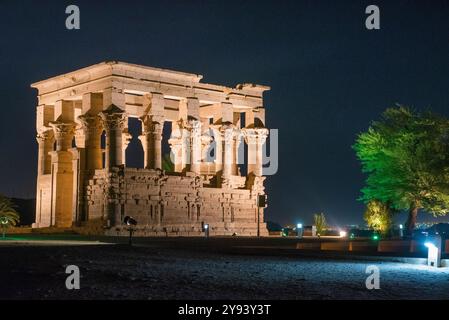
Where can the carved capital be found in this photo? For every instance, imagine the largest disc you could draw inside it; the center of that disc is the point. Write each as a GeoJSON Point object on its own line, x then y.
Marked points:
{"type": "Point", "coordinates": [113, 118]}
{"type": "Point", "coordinates": [43, 136]}
{"type": "Point", "coordinates": [153, 125]}
{"type": "Point", "coordinates": [126, 138]}
{"type": "Point", "coordinates": [63, 130]}
{"type": "Point", "coordinates": [229, 132]}
{"type": "Point", "coordinates": [90, 123]}
{"type": "Point", "coordinates": [255, 136]}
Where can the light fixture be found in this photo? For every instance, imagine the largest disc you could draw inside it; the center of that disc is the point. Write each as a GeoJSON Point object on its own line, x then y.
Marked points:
{"type": "Point", "coordinates": [429, 245]}
{"type": "Point", "coordinates": [343, 233]}
{"type": "Point", "coordinates": [130, 221]}
{"type": "Point", "coordinates": [299, 230]}
{"type": "Point", "coordinates": [434, 252]}
{"type": "Point", "coordinates": [401, 226]}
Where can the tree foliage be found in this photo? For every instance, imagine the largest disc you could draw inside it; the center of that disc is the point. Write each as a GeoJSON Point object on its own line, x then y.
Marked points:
{"type": "Point", "coordinates": [8, 214]}
{"type": "Point", "coordinates": [379, 216]}
{"type": "Point", "coordinates": [320, 223]}
{"type": "Point", "coordinates": [406, 158]}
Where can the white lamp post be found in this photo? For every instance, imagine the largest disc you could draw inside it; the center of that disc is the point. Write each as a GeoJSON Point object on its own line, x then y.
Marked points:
{"type": "Point", "coordinates": [433, 245]}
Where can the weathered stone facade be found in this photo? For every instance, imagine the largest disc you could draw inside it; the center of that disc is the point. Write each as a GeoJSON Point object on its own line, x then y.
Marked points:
{"type": "Point", "coordinates": [81, 182]}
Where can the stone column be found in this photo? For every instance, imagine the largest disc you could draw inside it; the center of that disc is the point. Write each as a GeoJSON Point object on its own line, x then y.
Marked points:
{"type": "Point", "coordinates": [93, 128]}
{"type": "Point", "coordinates": [261, 138]}
{"type": "Point", "coordinates": [151, 139]}
{"type": "Point", "coordinates": [176, 147]}
{"type": "Point", "coordinates": [45, 140]}
{"type": "Point", "coordinates": [255, 138]}
{"type": "Point", "coordinates": [218, 152]}
{"type": "Point", "coordinates": [62, 174]}
{"type": "Point", "coordinates": [113, 120]}
{"type": "Point", "coordinates": [228, 150]}
{"type": "Point", "coordinates": [238, 154]}
{"type": "Point", "coordinates": [126, 140]}
{"type": "Point", "coordinates": [195, 146]}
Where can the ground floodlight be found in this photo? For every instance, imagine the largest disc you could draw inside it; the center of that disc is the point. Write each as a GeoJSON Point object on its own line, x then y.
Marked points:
{"type": "Point", "coordinates": [206, 230]}
{"type": "Point", "coordinates": [434, 251]}
{"type": "Point", "coordinates": [130, 221]}
{"type": "Point", "coordinates": [343, 233]}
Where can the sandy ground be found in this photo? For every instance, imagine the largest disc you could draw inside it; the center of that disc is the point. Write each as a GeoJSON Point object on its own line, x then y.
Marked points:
{"type": "Point", "coordinates": [171, 269]}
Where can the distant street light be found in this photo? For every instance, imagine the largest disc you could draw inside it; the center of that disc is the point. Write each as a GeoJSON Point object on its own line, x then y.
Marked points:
{"type": "Point", "coordinates": [401, 230]}
{"type": "Point", "coordinates": [299, 230]}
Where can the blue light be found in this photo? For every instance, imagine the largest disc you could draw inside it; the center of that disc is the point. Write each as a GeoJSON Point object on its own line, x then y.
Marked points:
{"type": "Point", "coordinates": [299, 226]}
{"type": "Point", "coordinates": [429, 245]}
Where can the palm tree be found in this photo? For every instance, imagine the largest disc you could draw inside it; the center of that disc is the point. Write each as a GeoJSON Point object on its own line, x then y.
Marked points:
{"type": "Point", "coordinates": [8, 214]}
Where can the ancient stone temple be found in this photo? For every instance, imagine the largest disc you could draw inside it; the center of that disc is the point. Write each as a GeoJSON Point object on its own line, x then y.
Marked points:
{"type": "Point", "coordinates": [211, 173]}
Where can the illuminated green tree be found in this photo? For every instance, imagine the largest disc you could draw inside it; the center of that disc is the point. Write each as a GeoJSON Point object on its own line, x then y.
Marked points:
{"type": "Point", "coordinates": [406, 158]}
{"type": "Point", "coordinates": [8, 214]}
{"type": "Point", "coordinates": [320, 223]}
{"type": "Point", "coordinates": [379, 216]}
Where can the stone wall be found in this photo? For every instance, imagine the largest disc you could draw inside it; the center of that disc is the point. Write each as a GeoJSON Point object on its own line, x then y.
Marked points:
{"type": "Point", "coordinates": [167, 205]}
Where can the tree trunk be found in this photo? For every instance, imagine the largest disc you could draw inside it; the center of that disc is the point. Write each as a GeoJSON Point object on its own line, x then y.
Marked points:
{"type": "Point", "coordinates": [411, 221]}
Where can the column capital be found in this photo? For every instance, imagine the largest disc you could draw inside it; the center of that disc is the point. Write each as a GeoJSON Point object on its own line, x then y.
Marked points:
{"type": "Point", "coordinates": [255, 136]}
{"type": "Point", "coordinates": [152, 125]}
{"type": "Point", "coordinates": [229, 132]}
{"type": "Point", "coordinates": [90, 122]}
{"type": "Point", "coordinates": [127, 137]}
{"type": "Point", "coordinates": [45, 135]}
{"type": "Point", "coordinates": [113, 118]}
{"type": "Point", "coordinates": [64, 132]}
{"type": "Point", "coordinates": [63, 129]}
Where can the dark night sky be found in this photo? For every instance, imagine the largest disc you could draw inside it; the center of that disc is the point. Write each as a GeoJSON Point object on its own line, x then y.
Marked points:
{"type": "Point", "coordinates": [329, 76]}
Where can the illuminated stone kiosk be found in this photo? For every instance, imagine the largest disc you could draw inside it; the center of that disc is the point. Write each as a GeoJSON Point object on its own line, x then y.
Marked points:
{"type": "Point", "coordinates": [82, 133]}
